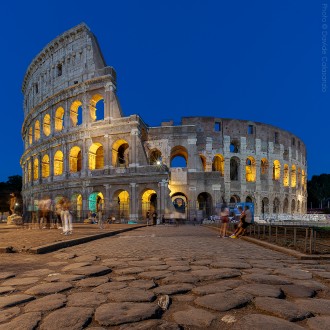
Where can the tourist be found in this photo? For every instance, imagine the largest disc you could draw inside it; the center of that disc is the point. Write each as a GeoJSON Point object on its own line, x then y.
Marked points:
{"type": "Point", "coordinates": [224, 218]}
{"type": "Point", "coordinates": [66, 217]}
{"type": "Point", "coordinates": [245, 221]}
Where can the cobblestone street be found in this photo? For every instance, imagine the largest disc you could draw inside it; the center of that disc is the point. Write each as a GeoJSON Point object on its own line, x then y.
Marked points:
{"type": "Point", "coordinates": [164, 277]}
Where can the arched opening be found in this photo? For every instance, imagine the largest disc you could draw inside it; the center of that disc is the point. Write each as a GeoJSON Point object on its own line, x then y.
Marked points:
{"type": "Point", "coordinates": [203, 161]}
{"type": "Point", "coordinates": [29, 170]}
{"type": "Point", "coordinates": [76, 113]}
{"type": "Point", "coordinates": [293, 206]}
{"type": "Point", "coordinates": [76, 203]}
{"type": "Point", "coordinates": [36, 169]}
{"type": "Point", "coordinates": [96, 156]}
{"type": "Point", "coordinates": [234, 199]}
{"type": "Point", "coordinates": [179, 201]}
{"type": "Point", "coordinates": [299, 178]}
{"type": "Point", "coordinates": [95, 202]}
{"type": "Point", "coordinates": [120, 154]}
{"type": "Point", "coordinates": [276, 206]}
{"type": "Point", "coordinates": [37, 130]}
{"type": "Point", "coordinates": [303, 179]}
{"type": "Point", "coordinates": [293, 176]}
{"type": "Point", "coordinates": [149, 202]}
{"type": "Point", "coordinates": [218, 164]}
{"type": "Point", "coordinates": [234, 146]}
{"type": "Point", "coordinates": [96, 107]}
{"type": "Point", "coordinates": [58, 163]}
{"type": "Point", "coordinates": [250, 169]}
{"type": "Point", "coordinates": [248, 199]}
{"type": "Point", "coordinates": [234, 169]}
{"type": "Point", "coordinates": [59, 114]}
{"type": "Point", "coordinates": [179, 157]}
{"type": "Point", "coordinates": [286, 175]}
{"type": "Point", "coordinates": [75, 159]}
{"type": "Point", "coordinates": [285, 206]}
{"type": "Point", "coordinates": [45, 166]}
{"type": "Point", "coordinates": [298, 207]}
{"type": "Point", "coordinates": [276, 170]}
{"type": "Point", "coordinates": [265, 206]}
{"type": "Point", "coordinates": [46, 125]}
{"type": "Point", "coordinates": [155, 157]}
{"type": "Point", "coordinates": [205, 204]}
{"type": "Point", "coordinates": [264, 165]}
{"type": "Point", "coordinates": [30, 135]}
{"type": "Point", "coordinates": [121, 205]}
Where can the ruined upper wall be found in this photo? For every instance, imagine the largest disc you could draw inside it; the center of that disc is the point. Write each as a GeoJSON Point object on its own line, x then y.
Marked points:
{"type": "Point", "coordinates": [71, 58]}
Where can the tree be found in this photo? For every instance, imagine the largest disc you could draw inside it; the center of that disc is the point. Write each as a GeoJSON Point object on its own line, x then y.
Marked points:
{"type": "Point", "coordinates": [318, 189]}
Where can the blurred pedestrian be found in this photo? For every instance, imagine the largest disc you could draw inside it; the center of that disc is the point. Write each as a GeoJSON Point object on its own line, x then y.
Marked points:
{"type": "Point", "coordinates": [224, 218]}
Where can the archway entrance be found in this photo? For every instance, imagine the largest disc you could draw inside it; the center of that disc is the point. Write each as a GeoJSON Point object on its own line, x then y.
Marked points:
{"type": "Point", "coordinates": [149, 202]}
{"type": "Point", "coordinates": [121, 203]}
{"type": "Point", "coordinates": [204, 201]}
{"type": "Point", "coordinates": [95, 202]}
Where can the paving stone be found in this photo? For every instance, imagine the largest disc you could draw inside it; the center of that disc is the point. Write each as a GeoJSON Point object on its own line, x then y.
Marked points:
{"type": "Point", "coordinates": [230, 264]}
{"type": "Point", "coordinates": [13, 300]}
{"type": "Point", "coordinates": [131, 295]}
{"type": "Point", "coordinates": [128, 271]}
{"type": "Point", "coordinates": [294, 273]}
{"type": "Point", "coordinates": [86, 258]}
{"type": "Point", "coordinates": [158, 267]}
{"type": "Point", "coordinates": [319, 323]}
{"type": "Point", "coordinates": [183, 297]}
{"type": "Point", "coordinates": [223, 301]}
{"type": "Point", "coordinates": [298, 291]}
{"type": "Point", "coordinates": [211, 288]}
{"type": "Point", "coordinates": [179, 268]}
{"type": "Point", "coordinates": [70, 267]}
{"type": "Point", "coordinates": [92, 270]}
{"type": "Point", "coordinates": [150, 324]}
{"type": "Point", "coordinates": [114, 263]}
{"type": "Point", "coordinates": [27, 321]}
{"type": "Point", "coordinates": [173, 288]}
{"type": "Point", "coordinates": [180, 278]}
{"type": "Point", "coordinates": [266, 279]}
{"type": "Point", "coordinates": [213, 274]}
{"type": "Point", "coordinates": [47, 303]}
{"type": "Point", "coordinates": [9, 313]}
{"type": "Point", "coordinates": [315, 305]}
{"type": "Point", "coordinates": [21, 281]}
{"type": "Point", "coordinates": [194, 317]}
{"type": "Point", "coordinates": [143, 284]}
{"type": "Point", "coordinates": [126, 278]}
{"type": "Point", "coordinates": [282, 308]}
{"type": "Point", "coordinates": [6, 289]}
{"type": "Point", "coordinates": [55, 277]}
{"type": "Point", "coordinates": [259, 321]}
{"type": "Point", "coordinates": [49, 288]}
{"type": "Point", "coordinates": [314, 285]}
{"type": "Point", "coordinates": [261, 290]}
{"type": "Point", "coordinates": [69, 318]}
{"type": "Point", "coordinates": [323, 275]}
{"type": "Point", "coordinates": [5, 275]}
{"type": "Point", "coordinates": [202, 262]}
{"type": "Point", "coordinates": [155, 275]}
{"type": "Point", "coordinates": [109, 287]}
{"type": "Point", "coordinates": [56, 263]}
{"type": "Point", "coordinates": [92, 281]}
{"type": "Point", "coordinates": [37, 272]}
{"type": "Point", "coordinates": [118, 313]}
{"type": "Point", "coordinates": [86, 299]}
{"type": "Point", "coordinates": [199, 267]}
{"type": "Point", "coordinates": [146, 263]}
{"type": "Point", "coordinates": [65, 256]}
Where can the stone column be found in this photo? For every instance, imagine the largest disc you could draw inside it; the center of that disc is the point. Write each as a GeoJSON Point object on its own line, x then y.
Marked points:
{"type": "Point", "coordinates": [133, 159]}
{"type": "Point", "coordinates": [133, 202]}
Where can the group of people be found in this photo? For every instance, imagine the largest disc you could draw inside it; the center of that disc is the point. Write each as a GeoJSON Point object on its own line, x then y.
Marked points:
{"type": "Point", "coordinates": [245, 219]}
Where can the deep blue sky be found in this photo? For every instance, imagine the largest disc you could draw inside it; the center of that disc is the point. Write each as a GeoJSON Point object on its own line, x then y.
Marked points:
{"type": "Point", "coordinates": [258, 60]}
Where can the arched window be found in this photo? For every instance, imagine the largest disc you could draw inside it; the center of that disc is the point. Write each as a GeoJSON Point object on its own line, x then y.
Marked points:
{"type": "Point", "coordinates": [179, 157]}
{"type": "Point", "coordinates": [250, 169]}
{"type": "Point", "coordinates": [286, 175]}
{"type": "Point", "coordinates": [120, 153]}
{"type": "Point", "coordinates": [58, 163]}
{"type": "Point", "coordinates": [155, 157]}
{"type": "Point", "coordinates": [276, 170]}
{"type": "Point", "coordinates": [75, 159]}
{"type": "Point", "coordinates": [29, 170]}
{"type": "Point", "coordinates": [96, 107]}
{"type": "Point", "coordinates": [37, 130]}
{"type": "Point", "coordinates": [59, 114]}
{"type": "Point", "coordinates": [293, 176]}
{"type": "Point", "coordinates": [36, 169]}
{"type": "Point", "coordinates": [96, 156]}
{"type": "Point", "coordinates": [76, 113]}
{"type": "Point", "coordinates": [234, 169]}
{"type": "Point", "coordinates": [30, 135]}
{"type": "Point", "coordinates": [264, 167]}
{"type": "Point", "coordinates": [218, 164]}
{"type": "Point", "coordinates": [46, 125]}
{"type": "Point", "coordinates": [45, 166]}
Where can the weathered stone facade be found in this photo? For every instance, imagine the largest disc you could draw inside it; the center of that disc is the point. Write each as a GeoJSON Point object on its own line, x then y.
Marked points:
{"type": "Point", "coordinates": [79, 144]}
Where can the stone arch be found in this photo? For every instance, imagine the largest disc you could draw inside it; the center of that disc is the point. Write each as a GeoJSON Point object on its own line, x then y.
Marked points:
{"type": "Point", "coordinates": [120, 153]}
{"type": "Point", "coordinates": [286, 175]}
{"type": "Point", "coordinates": [250, 169]}
{"type": "Point", "coordinates": [95, 202]}
{"type": "Point", "coordinates": [285, 205]}
{"type": "Point", "coordinates": [96, 107]}
{"type": "Point", "coordinates": [234, 146]}
{"type": "Point", "coordinates": [149, 201]}
{"type": "Point", "coordinates": [298, 206]}
{"type": "Point", "coordinates": [29, 170]}
{"type": "Point", "coordinates": [299, 178]}
{"type": "Point", "coordinates": [205, 204]}
{"type": "Point", "coordinates": [59, 115]}
{"type": "Point", "coordinates": [179, 156]}
{"type": "Point", "coordinates": [203, 162]}
{"type": "Point", "coordinates": [293, 176]}
{"type": "Point", "coordinates": [96, 156]}
{"type": "Point", "coordinates": [234, 199]}
{"type": "Point", "coordinates": [75, 159]}
{"type": "Point", "coordinates": [76, 113]}
{"type": "Point", "coordinates": [46, 125]}
{"type": "Point", "coordinates": [77, 205]}
{"type": "Point", "coordinates": [293, 206]}
{"type": "Point", "coordinates": [303, 179]}
{"type": "Point", "coordinates": [37, 130]}
{"type": "Point", "coordinates": [180, 203]}
{"type": "Point", "coordinates": [58, 163]}
{"type": "Point", "coordinates": [249, 199]}
{"type": "Point", "coordinates": [155, 157]}
{"type": "Point", "coordinates": [264, 167]}
{"type": "Point", "coordinates": [30, 135]}
{"type": "Point", "coordinates": [218, 164]}
{"type": "Point", "coordinates": [276, 205]}
{"type": "Point", "coordinates": [276, 170]}
{"type": "Point", "coordinates": [36, 169]}
{"type": "Point", "coordinates": [121, 204]}
{"type": "Point", "coordinates": [234, 168]}
{"type": "Point", "coordinates": [265, 205]}
{"type": "Point", "coordinates": [45, 166]}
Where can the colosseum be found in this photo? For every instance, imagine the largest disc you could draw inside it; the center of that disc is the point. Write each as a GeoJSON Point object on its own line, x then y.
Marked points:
{"type": "Point", "coordinates": [79, 144]}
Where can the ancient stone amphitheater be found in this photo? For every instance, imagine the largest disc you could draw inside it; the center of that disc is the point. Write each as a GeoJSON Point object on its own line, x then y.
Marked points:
{"type": "Point", "coordinates": [79, 144]}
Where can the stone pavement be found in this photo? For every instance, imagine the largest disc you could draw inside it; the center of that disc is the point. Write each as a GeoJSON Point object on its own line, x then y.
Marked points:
{"type": "Point", "coordinates": [164, 277]}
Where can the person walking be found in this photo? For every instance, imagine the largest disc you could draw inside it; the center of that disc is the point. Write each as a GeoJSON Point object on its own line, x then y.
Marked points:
{"type": "Point", "coordinates": [224, 218]}
{"type": "Point", "coordinates": [66, 217]}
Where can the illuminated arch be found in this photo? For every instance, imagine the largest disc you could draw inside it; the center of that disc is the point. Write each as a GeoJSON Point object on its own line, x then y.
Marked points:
{"type": "Point", "coordinates": [299, 178]}
{"type": "Point", "coordinates": [96, 107]}
{"type": "Point", "coordinates": [250, 169]}
{"type": "Point", "coordinates": [30, 135]}
{"type": "Point", "coordinates": [46, 125]}
{"type": "Point", "coordinates": [179, 157]}
{"type": "Point", "coordinates": [76, 113]}
{"type": "Point", "coordinates": [29, 170]}
{"type": "Point", "coordinates": [59, 114]}
{"type": "Point", "coordinates": [77, 204]}
{"type": "Point", "coordinates": [293, 176]}
{"type": "Point", "coordinates": [276, 170]}
{"type": "Point", "coordinates": [121, 204]}
{"type": "Point", "coordinates": [120, 153]}
{"type": "Point", "coordinates": [58, 163]}
{"type": "Point", "coordinates": [218, 164]}
{"type": "Point", "coordinates": [36, 169]}
{"type": "Point", "coordinates": [45, 166]}
{"type": "Point", "coordinates": [155, 157]}
{"type": "Point", "coordinates": [286, 175]}
{"type": "Point", "coordinates": [285, 206]}
{"type": "Point", "coordinates": [303, 179]}
{"type": "Point", "coordinates": [37, 130]}
{"type": "Point", "coordinates": [75, 159]}
{"type": "Point", "coordinates": [149, 201]}
{"type": "Point", "coordinates": [203, 161]}
{"type": "Point", "coordinates": [96, 156]}
{"type": "Point", "coordinates": [264, 166]}
{"type": "Point", "coordinates": [96, 201]}
{"type": "Point", "coordinates": [234, 168]}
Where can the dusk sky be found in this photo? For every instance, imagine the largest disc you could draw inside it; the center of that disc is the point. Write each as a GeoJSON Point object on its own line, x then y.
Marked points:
{"type": "Point", "coordinates": [254, 60]}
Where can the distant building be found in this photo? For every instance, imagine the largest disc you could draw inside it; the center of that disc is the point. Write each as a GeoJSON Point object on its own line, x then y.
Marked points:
{"type": "Point", "coordinates": [78, 144]}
